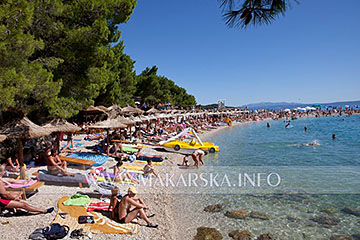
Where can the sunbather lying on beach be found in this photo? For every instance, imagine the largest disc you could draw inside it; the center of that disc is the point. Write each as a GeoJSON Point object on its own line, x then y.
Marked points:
{"type": "Point", "coordinates": [122, 174]}
{"type": "Point", "coordinates": [130, 207]}
{"type": "Point", "coordinates": [56, 166]}
{"type": "Point", "coordinates": [12, 200]}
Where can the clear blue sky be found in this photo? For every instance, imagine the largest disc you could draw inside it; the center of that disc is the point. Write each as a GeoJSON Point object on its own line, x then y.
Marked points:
{"type": "Point", "coordinates": [312, 54]}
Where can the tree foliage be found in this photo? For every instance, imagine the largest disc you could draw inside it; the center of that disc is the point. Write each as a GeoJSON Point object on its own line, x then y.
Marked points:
{"type": "Point", "coordinates": [56, 54]}
{"type": "Point", "coordinates": [25, 85]}
{"type": "Point", "coordinates": [256, 12]}
{"type": "Point", "coordinates": [155, 89]}
{"type": "Point", "coordinates": [57, 57]}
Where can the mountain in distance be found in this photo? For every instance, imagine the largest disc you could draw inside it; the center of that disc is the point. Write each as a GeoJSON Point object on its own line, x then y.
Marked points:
{"type": "Point", "coordinates": [283, 105]}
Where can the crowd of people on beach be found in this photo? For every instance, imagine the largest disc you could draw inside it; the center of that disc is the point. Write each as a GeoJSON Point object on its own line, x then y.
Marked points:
{"type": "Point", "coordinates": [46, 151]}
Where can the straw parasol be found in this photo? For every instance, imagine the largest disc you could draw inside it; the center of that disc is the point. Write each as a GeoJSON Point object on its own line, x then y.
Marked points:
{"type": "Point", "coordinates": [108, 124]}
{"type": "Point", "coordinates": [152, 111]}
{"type": "Point", "coordinates": [23, 129]}
{"type": "Point", "coordinates": [94, 110]}
{"type": "Point", "coordinates": [105, 109]}
{"type": "Point", "coordinates": [130, 109]}
{"type": "Point", "coordinates": [61, 125]}
{"type": "Point", "coordinates": [2, 138]}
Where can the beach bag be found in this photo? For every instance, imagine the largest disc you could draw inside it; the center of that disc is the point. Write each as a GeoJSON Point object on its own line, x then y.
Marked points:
{"type": "Point", "coordinates": [55, 231]}
{"type": "Point", "coordinates": [37, 234]}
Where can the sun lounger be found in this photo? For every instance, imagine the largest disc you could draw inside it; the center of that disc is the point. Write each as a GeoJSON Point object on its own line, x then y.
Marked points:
{"type": "Point", "coordinates": [48, 178]}
{"type": "Point", "coordinates": [83, 162]}
{"type": "Point", "coordinates": [32, 188]}
{"type": "Point", "coordinates": [97, 159]}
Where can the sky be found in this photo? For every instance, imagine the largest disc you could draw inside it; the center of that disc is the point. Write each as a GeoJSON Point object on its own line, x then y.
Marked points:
{"type": "Point", "coordinates": [310, 55]}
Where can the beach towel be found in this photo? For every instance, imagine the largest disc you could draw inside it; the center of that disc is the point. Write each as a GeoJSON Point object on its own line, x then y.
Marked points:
{"type": "Point", "coordinates": [71, 146]}
{"type": "Point", "coordinates": [132, 167]}
{"type": "Point", "coordinates": [15, 185]}
{"type": "Point", "coordinates": [97, 158]}
{"type": "Point", "coordinates": [77, 200]}
{"type": "Point", "coordinates": [129, 149]}
{"type": "Point", "coordinates": [98, 206]}
{"type": "Point", "coordinates": [145, 162]}
{"type": "Point", "coordinates": [102, 225]}
{"type": "Point", "coordinates": [154, 159]}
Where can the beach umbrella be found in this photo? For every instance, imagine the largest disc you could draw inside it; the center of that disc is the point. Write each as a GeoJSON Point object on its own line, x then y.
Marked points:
{"type": "Point", "coordinates": [2, 138]}
{"type": "Point", "coordinates": [94, 110]}
{"type": "Point", "coordinates": [108, 124]}
{"type": "Point", "coordinates": [130, 109]}
{"type": "Point", "coordinates": [61, 125]}
{"type": "Point", "coordinates": [152, 111]}
{"type": "Point", "coordinates": [23, 129]}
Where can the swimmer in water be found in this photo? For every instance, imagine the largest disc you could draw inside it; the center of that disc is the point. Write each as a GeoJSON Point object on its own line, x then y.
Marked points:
{"type": "Point", "coordinates": [287, 125]}
{"type": "Point", "coordinates": [268, 125]}
{"type": "Point", "coordinates": [313, 143]}
{"type": "Point", "coordinates": [305, 129]}
{"type": "Point", "coordinates": [333, 136]}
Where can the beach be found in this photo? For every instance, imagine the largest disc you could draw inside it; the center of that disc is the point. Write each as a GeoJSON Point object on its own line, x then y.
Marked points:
{"type": "Point", "coordinates": [180, 213]}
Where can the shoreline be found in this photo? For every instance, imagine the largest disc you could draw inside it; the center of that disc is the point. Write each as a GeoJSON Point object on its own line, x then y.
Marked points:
{"type": "Point", "coordinates": [168, 207]}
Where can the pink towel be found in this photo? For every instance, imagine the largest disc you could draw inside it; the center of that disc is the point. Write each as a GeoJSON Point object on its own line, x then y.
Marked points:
{"type": "Point", "coordinates": [15, 185]}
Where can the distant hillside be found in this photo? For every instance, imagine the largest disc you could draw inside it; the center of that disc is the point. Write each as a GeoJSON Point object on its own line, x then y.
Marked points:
{"type": "Point", "coordinates": [283, 105]}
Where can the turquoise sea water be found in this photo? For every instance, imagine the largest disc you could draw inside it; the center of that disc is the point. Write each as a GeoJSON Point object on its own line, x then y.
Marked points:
{"type": "Point", "coordinates": [256, 145]}
{"type": "Point", "coordinates": [317, 181]}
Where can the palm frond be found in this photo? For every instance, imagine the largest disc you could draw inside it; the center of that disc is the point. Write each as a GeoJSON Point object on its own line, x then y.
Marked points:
{"type": "Point", "coordinates": [256, 12]}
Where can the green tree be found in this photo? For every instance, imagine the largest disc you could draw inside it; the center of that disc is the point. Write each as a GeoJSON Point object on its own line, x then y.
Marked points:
{"type": "Point", "coordinates": [257, 12]}
{"type": "Point", "coordinates": [79, 32]}
{"type": "Point", "coordinates": [155, 89]}
{"type": "Point", "coordinates": [26, 83]}
{"type": "Point", "coordinates": [56, 55]}
{"type": "Point", "coordinates": [122, 82]}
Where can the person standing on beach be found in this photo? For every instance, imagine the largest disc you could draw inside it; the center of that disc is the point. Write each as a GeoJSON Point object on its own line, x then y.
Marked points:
{"type": "Point", "coordinates": [197, 157]}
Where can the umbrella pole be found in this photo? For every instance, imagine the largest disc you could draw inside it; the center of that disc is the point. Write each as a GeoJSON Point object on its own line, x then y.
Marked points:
{"type": "Point", "coordinates": [21, 158]}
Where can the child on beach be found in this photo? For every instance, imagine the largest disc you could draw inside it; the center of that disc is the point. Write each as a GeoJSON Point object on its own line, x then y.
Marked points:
{"type": "Point", "coordinates": [114, 203]}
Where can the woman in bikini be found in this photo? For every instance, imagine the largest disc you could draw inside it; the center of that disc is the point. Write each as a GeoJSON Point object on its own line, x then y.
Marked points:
{"type": "Point", "coordinates": [12, 200]}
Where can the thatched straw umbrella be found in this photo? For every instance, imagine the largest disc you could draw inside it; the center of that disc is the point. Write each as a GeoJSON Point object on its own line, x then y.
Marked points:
{"type": "Point", "coordinates": [108, 124]}
{"type": "Point", "coordinates": [2, 138]}
{"type": "Point", "coordinates": [129, 109]}
{"type": "Point", "coordinates": [23, 129]}
{"type": "Point", "coordinates": [152, 111]}
{"type": "Point", "coordinates": [61, 125]}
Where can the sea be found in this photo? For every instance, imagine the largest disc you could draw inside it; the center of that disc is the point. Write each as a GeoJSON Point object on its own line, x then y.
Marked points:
{"type": "Point", "coordinates": [306, 182]}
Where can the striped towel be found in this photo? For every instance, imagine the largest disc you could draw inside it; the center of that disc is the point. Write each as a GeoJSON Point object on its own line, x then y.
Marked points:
{"type": "Point", "coordinates": [98, 206]}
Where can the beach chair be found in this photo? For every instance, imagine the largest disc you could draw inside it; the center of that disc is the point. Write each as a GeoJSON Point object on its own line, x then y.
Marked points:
{"type": "Point", "coordinates": [84, 163]}
{"type": "Point", "coordinates": [32, 188]}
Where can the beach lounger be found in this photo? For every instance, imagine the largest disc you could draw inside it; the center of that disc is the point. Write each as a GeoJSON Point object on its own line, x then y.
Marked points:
{"type": "Point", "coordinates": [83, 162]}
{"type": "Point", "coordinates": [48, 178]}
{"type": "Point", "coordinates": [32, 188]}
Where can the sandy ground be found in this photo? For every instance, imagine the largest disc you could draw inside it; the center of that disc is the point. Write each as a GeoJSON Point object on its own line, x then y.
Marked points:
{"type": "Point", "coordinates": [159, 202]}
